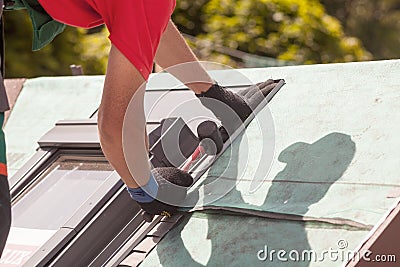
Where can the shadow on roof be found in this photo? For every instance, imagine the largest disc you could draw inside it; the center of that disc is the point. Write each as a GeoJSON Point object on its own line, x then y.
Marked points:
{"type": "Point", "coordinates": [321, 163]}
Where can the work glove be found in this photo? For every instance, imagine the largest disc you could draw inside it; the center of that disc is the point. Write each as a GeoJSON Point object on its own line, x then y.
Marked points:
{"type": "Point", "coordinates": [166, 189]}
{"type": "Point", "coordinates": [232, 109]}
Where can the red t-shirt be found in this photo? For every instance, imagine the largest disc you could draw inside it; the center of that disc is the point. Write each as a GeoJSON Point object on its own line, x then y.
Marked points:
{"type": "Point", "coordinates": [135, 26]}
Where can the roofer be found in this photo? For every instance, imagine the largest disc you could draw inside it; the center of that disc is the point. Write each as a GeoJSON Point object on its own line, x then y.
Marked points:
{"type": "Point", "coordinates": [140, 32]}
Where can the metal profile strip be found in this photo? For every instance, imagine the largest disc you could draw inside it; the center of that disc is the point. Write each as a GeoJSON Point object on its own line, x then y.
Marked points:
{"type": "Point", "coordinates": [134, 246]}
{"type": "Point", "coordinates": [132, 242]}
{"type": "Point", "coordinates": [141, 251]}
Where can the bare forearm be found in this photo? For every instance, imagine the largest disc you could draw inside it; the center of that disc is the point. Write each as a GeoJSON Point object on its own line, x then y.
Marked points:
{"type": "Point", "coordinates": [174, 55]}
{"type": "Point", "coordinates": [123, 85]}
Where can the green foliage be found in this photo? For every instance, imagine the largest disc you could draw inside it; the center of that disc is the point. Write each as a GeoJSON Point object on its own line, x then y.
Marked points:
{"type": "Point", "coordinates": [73, 46]}
{"type": "Point", "coordinates": [375, 22]}
{"type": "Point", "coordinates": [300, 31]}
{"type": "Point", "coordinates": [95, 48]}
{"type": "Point", "coordinates": [292, 30]}
{"type": "Point", "coordinates": [189, 16]}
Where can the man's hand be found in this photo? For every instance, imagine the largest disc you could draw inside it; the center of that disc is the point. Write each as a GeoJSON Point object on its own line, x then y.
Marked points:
{"type": "Point", "coordinates": [255, 94]}
{"type": "Point", "coordinates": [166, 189]}
{"type": "Point", "coordinates": [234, 108]}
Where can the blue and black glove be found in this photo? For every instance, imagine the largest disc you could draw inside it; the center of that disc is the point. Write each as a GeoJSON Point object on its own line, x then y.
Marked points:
{"type": "Point", "coordinates": [165, 191]}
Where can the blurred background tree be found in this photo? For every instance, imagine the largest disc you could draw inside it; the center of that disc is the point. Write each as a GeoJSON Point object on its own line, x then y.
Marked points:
{"type": "Point", "coordinates": [290, 30]}
{"type": "Point", "coordinates": [235, 32]}
{"type": "Point", "coordinates": [375, 23]}
{"type": "Point", "coordinates": [73, 46]}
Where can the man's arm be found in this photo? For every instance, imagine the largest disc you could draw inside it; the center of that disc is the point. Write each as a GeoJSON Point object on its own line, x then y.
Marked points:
{"type": "Point", "coordinates": [176, 57]}
{"type": "Point", "coordinates": [122, 82]}
{"type": "Point", "coordinates": [123, 98]}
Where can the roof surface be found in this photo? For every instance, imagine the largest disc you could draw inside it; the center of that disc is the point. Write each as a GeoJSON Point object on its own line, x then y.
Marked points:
{"type": "Point", "coordinates": [316, 170]}
{"type": "Point", "coordinates": [335, 166]}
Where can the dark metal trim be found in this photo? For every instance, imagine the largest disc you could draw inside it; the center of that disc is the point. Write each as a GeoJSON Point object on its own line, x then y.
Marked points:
{"type": "Point", "coordinates": [76, 122]}
{"type": "Point", "coordinates": [382, 240]}
{"type": "Point", "coordinates": [120, 239]}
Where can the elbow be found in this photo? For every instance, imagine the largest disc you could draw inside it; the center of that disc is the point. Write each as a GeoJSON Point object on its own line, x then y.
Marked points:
{"type": "Point", "coordinates": [110, 130]}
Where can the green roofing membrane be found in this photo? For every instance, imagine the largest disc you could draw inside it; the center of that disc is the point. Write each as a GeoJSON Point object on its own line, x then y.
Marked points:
{"type": "Point", "coordinates": [335, 156]}
{"type": "Point", "coordinates": [41, 103]}
{"type": "Point", "coordinates": [226, 240]}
